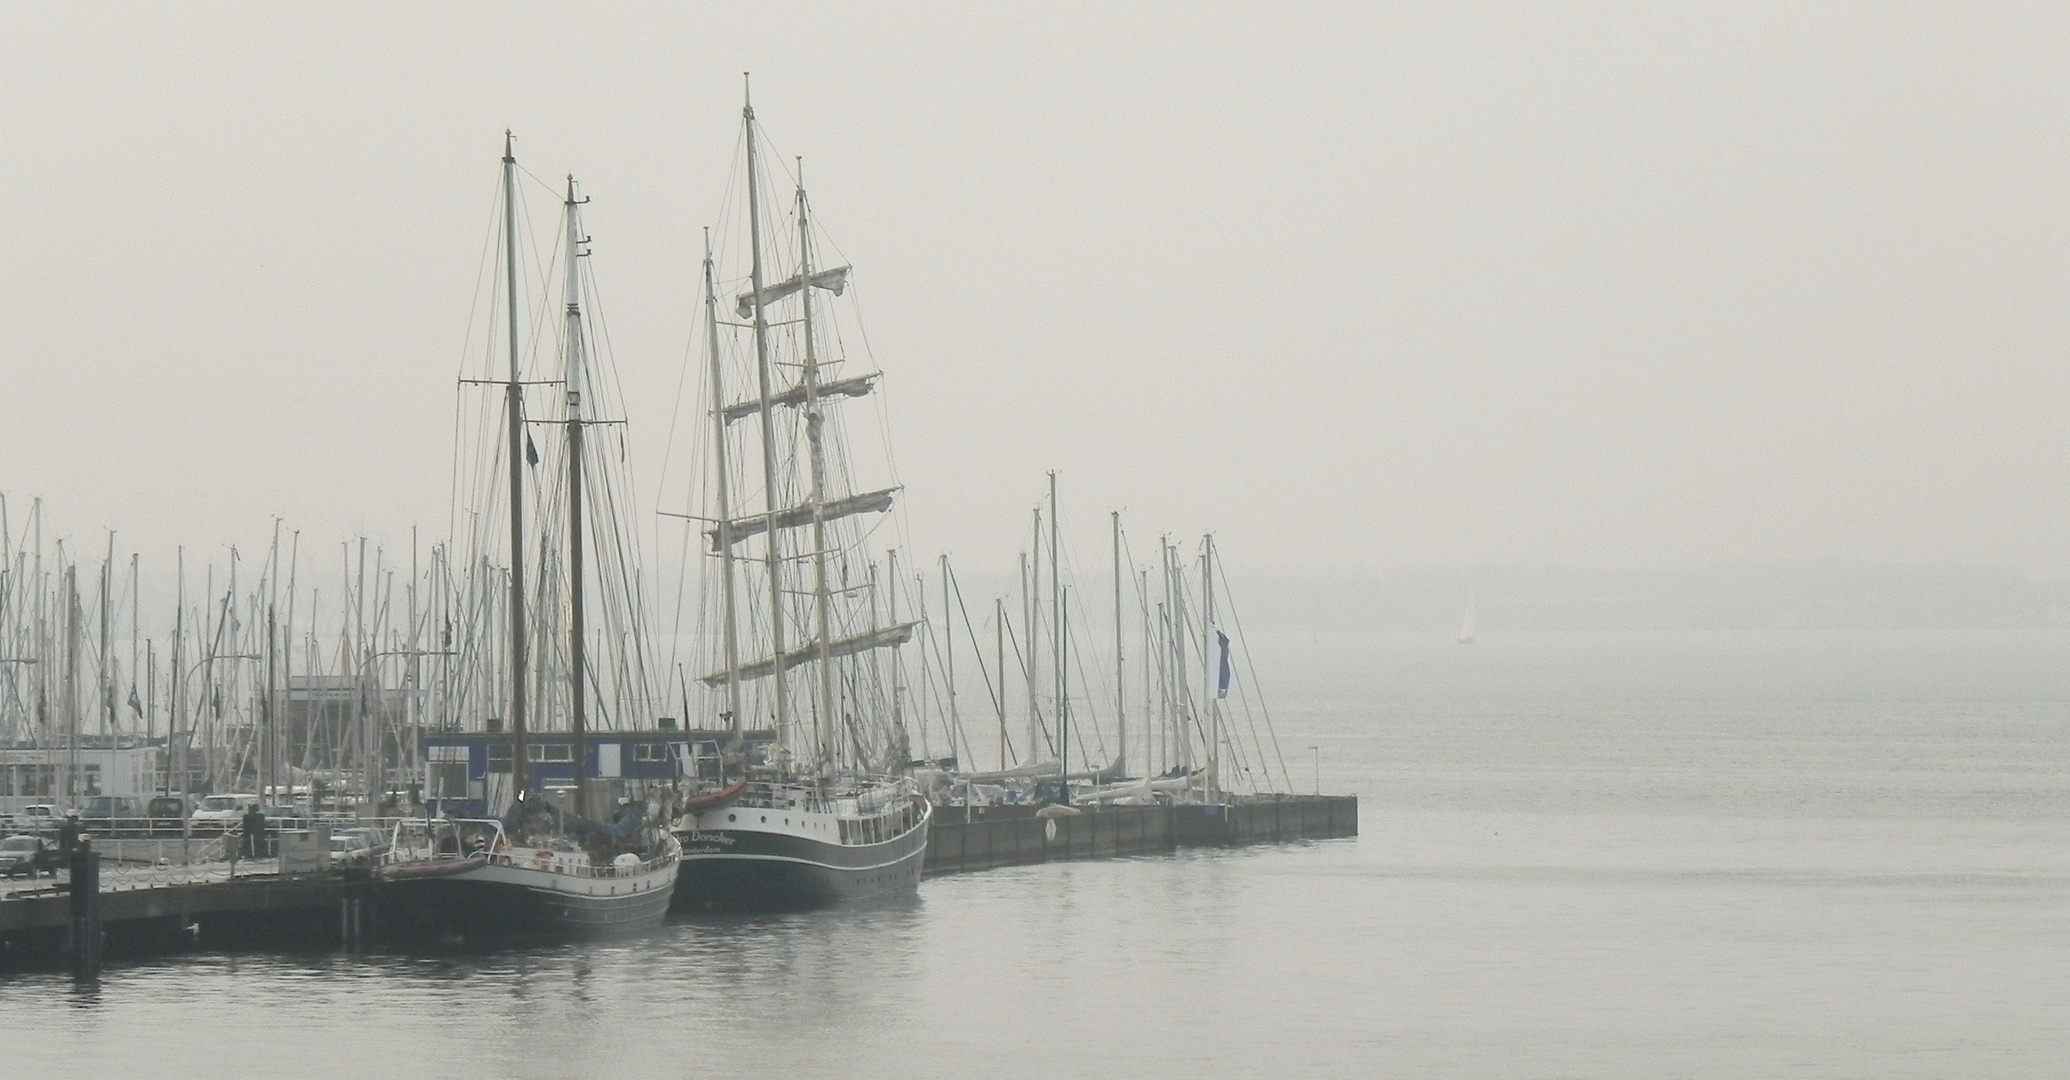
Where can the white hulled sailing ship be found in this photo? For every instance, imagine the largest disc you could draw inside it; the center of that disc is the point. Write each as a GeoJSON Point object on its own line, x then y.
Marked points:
{"type": "Point", "coordinates": [539, 869]}
{"type": "Point", "coordinates": [803, 641]}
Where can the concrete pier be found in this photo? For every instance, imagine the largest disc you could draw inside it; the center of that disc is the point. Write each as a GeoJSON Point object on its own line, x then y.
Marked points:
{"type": "Point", "coordinates": [143, 912]}
{"type": "Point", "coordinates": [978, 838]}
{"type": "Point", "coordinates": [140, 909]}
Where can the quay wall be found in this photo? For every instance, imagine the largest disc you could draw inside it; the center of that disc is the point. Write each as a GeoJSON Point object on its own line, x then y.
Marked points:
{"type": "Point", "coordinates": [250, 910]}
{"type": "Point", "coordinates": [970, 838]}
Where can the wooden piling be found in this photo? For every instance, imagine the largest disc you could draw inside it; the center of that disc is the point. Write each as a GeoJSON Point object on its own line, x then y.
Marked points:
{"type": "Point", "coordinates": [84, 929]}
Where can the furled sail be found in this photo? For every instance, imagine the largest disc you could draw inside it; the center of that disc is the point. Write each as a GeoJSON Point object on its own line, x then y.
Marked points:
{"type": "Point", "coordinates": [833, 281]}
{"type": "Point", "coordinates": [795, 396]}
{"type": "Point", "coordinates": [869, 502]}
{"type": "Point", "coordinates": [849, 646]}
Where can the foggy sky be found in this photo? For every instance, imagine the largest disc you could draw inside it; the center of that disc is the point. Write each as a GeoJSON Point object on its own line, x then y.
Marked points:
{"type": "Point", "coordinates": [1351, 285]}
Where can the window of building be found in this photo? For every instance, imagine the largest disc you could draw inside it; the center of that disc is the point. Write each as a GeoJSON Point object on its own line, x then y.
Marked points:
{"type": "Point", "coordinates": [449, 780]}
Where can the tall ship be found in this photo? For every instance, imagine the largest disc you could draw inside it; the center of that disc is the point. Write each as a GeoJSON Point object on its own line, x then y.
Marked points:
{"type": "Point", "coordinates": [808, 802]}
{"type": "Point", "coordinates": [547, 857]}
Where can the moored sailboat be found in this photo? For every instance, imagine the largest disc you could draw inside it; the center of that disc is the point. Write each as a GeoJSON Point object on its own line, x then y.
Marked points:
{"type": "Point", "coordinates": [537, 870]}
{"type": "Point", "coordinates": [837, 822]}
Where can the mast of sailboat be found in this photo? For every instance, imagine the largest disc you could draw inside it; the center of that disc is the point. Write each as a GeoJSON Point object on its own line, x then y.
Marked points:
{"type": "Point", "coordinates": [574, 382]}
{"type": "Point", "coordinates": [898, 666]}
{"type": "Point", "coordinates": [1063, 688]}
{"type": "Point", "coordinates": [1031, 587]}
{"type": "Point", "coordinates": [731, 629]}
{"type": "Point", "coordinates": [1149, 651]}
{"type": "Point", "coordinates": [770, 495]}
{"type": "Point", "coordinates": [1208, 668]}
{"type": "Point", "coordinates": [71, 788]}
{"type": "Point", "coordinates": [955, 719]}
{"type": "Point", "coordinates": [107, 677]}
{"type": "Point", "coordinates": [999, 636]}
{"type": "Point", "coordinates": [136, 655]}
{"type": "Point", "coordinates": [821, 601]}
{"type": "Point", "coordinates": [1120, 688]}
{"type": "Point", "coordinates": [514, 400]}
{"type": "Point", "coordinates": [177, 739]}
{"type": "Point", "coordinates": [1175, 640]}
{"type": "Point", "coordinates": [1056, 652]}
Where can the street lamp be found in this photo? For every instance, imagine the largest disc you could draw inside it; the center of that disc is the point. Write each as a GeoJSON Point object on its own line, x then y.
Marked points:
{"type": "Point", "coordinates": [1318, 769]}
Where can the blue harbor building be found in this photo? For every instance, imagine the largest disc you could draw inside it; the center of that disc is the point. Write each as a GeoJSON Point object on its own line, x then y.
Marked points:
{"type": "Point", "coordinates": [467, 774]}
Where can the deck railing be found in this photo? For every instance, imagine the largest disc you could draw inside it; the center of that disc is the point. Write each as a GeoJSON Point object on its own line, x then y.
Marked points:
{"type": "Point", "coordinates": [412, 843]}
{"type": "Point", "coordinates": [878, 800]}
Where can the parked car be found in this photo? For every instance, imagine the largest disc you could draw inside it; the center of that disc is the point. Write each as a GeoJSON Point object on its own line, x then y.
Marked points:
{"type": "Point", "coordinates": [358, 846]}
{"type": "Point", "coordinates": [285, 817]}
{"type": "Point", "coordinates": [40, 817]}
{"type": "Point", "coordinates": [349, 848]}
{"type": "Point", "coordinates": [28, 856]}
{"type": "Point", "coordinates": [165, 813]}
{"type": "Point", "coordinates": [219, 813]}
{"type": "Point", "coordinates": [109, 808]}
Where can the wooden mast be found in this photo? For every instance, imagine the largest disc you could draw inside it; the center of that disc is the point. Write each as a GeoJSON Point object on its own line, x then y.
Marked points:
{"type": "Point", "coordinates": [823, 734]}
{"type": "Point", "coordinates": [771, 498]}
{"type": "Point", "coordinates": [514, 402]}
{"type": "Point", "coordinates": [573, 383]}
{"type": "Point", "coordinates": [725, 479]}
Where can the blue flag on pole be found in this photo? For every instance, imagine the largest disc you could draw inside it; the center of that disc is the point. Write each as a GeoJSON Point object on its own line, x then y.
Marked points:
{"type": "Point", "coordinates": [1222, 680]}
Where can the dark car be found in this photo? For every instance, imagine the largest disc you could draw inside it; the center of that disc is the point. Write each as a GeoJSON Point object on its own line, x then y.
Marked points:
{"type": "Point", "coordinates": [166, 814]}
{"type": "Point", "coordinates": [27, 856]}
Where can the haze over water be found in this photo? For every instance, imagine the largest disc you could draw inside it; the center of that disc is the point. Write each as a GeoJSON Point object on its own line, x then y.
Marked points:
{"type": "Point", "coordinates": [1582, 855]}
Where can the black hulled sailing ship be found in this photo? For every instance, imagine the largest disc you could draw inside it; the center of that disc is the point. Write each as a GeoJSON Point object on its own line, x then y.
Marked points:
{"type": "Point", "coordinates": [806, 637]}
{"type": "Point", "coordinates": [538, 869]}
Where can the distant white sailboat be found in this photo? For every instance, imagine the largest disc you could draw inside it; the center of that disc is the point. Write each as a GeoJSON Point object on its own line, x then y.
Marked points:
{"type": "Point", "coordinates": [1466, 624]}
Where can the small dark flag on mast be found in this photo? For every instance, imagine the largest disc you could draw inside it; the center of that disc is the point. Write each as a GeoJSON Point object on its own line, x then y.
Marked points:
{"type": "Point", "coordinates": [1222, 678]}
{"type": "Point", "coordinates": [531, 452]}
{"type": "Point", "coordinates": [135, 704]}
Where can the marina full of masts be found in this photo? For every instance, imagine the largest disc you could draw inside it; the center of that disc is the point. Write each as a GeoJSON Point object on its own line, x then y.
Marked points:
{"type": "Point", "coordinates": [311, 673]}
{"type": "Point", "coordinates": [800, 634]}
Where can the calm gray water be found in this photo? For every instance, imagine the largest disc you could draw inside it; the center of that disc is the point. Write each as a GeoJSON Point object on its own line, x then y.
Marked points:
{"type": "Point", "coordinates": [1600, 855]}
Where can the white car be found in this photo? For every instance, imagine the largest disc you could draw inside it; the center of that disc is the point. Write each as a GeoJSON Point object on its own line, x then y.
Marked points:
{"type": "Point", "coordinates": [218, 813]}
{"type": "Point", "coordinates": [41, 817]}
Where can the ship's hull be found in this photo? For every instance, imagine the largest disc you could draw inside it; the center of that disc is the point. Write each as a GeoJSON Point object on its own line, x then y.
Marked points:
{"type": "Point", "coordinates": [742, 865]}
{"type": "Point", "coordinates": [508, 901]}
